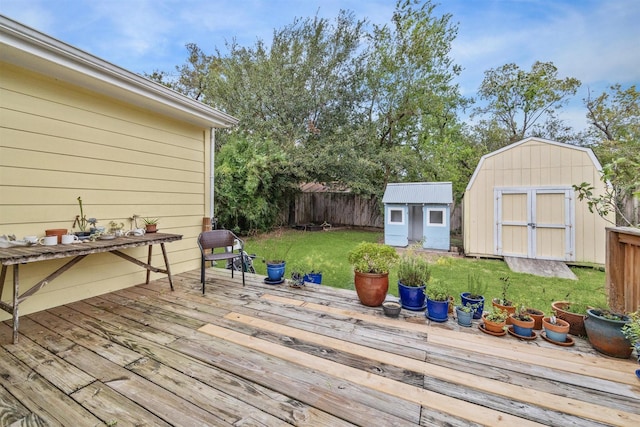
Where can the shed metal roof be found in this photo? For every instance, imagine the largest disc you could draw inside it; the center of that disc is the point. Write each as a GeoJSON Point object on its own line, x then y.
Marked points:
{"type": "Point", "coordinates": [419, 192]}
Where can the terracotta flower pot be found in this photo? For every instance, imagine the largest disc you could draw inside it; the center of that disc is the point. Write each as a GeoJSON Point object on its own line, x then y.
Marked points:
{"type": "Point", "coordinates": [490, 326]}
{"type": "Point", "coordinates": [576, 321]}
{"type": "Point", "coordinates": [522, 327]}
{"type": "Point", "coordinates": [371, 288]}
{"type": "Point", "coordinates": [510, 309]}
{"type": "Point", "coordinates": [537, 317]}
{"type": "Point", "coordinates": [558, 331]}
{"type": "Point", "coordinates": [56, 232]}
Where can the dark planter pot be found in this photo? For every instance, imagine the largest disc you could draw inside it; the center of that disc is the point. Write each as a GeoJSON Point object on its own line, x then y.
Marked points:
{"type": "Point", "coordinates": [275, 271]}
{"type": "Point", "coordinates": [438, 311]}
{"type": "Point", "coordinates": [479, 303]}
{"type": "Point", "coordinates": [315, 278]}
{"type": "Point", "coordinates": [605, 335]}
{"type": "Point", "coordinates": [371, 288]}
{"type": "Point", "coordinates": [576, 321]}
{"type": "Point", "coordinates": [411, 297]}
{"type": "Point", "coordinates": [464, 318]}
{"type": "Point", "coordinates": [524, 328]}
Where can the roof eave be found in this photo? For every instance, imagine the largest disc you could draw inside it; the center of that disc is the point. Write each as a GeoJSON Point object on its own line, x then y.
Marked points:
{"type": "Point", "coordinates": [33, 50]}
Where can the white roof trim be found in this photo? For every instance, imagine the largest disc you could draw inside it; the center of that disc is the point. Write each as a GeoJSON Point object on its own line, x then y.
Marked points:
{"type": "Point", "coordinates": [33, 50]}
{"type": "Point", "coordinates": [586, 150]}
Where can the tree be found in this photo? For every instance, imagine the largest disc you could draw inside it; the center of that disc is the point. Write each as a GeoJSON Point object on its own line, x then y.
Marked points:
{"type": "Point", "coordinates": [614, 118]}
{"type": "Point", "coordinates": [517, 100]}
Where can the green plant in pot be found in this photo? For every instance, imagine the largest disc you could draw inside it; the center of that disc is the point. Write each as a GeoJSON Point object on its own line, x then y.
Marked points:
{"type": "Point", "coordinates": [572, 312]}
{"type": "Point", "coordinates": [522, 322]}
{"type": "Point", "coordinates": [504, 303]}
{"type": "Point", "coordinates": [464, 314]}
{"type": "Point", "coordinates": [438, 301]}
{"type": "Point", "coordinates": [413, 275]}
{"type": "Point", "coordinates": [495, 321]}
{"type": "Point", "coordinates": [150, 224]}
{"type": "Point", "coordinates": [632, 331]}
{"type": "Point", "coordinates": [604, 330]}
{"type": "Point", "coordinates": [476, 288]}
{"type": "Point", "coordinates": [82, 222]}
{"type": "Point", "coordinates": [371, 264]}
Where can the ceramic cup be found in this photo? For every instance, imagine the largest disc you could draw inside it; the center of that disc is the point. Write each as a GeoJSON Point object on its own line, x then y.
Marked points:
{"type": "Point", "coordinates": [69, 238]}
{"type": "Point", "coordinates": [31, 239]}
{"type": "Point", "coordinates": [48, 240]}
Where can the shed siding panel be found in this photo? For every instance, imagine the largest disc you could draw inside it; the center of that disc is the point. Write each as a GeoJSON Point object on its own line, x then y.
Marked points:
{"type": "Point", "coordinates": [533, 163]}
{"type": "Point", "coordinates": [58, 143]}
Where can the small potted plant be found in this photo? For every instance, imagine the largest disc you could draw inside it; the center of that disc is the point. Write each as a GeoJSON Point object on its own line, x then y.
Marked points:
{"type": "Point", "coordinates": [632, 331]}
{"type": "Point", "coordinates": [505, 303]}
{"type": "Point", "coordinates": [413, 275]}
{"type": "Point", "coordinates": [571, 312]}
{"type": "Point", "coordinates": [465, 313]}
{"type": "Point", "coordinates": [371, 264]}
{"type": "Point", "coordinates": [150, 224]}
{"type": "Point", "coordinates": [82, 222]}
{"type": "Point", "coordinates": [495, 321]}
{"type": "Point", "coordinates": [522, 322]}
{"type": "Point", "coordinates": [476, 288]}
{"type": "Point", "coordinates": [555, 329]}
{"type": "Point", "coordinates": [438, 301]}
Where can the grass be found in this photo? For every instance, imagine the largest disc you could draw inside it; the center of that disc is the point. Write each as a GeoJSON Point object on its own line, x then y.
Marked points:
{"type": "Point", "coordinates": [327, 252]}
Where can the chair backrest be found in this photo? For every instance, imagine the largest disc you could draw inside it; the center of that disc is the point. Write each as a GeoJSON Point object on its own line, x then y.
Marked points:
{"type": "Point", "coordinates": [216, 239]}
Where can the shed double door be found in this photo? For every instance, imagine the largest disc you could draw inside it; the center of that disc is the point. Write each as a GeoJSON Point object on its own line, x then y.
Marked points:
{"type": "Point", "coordinates": [535, 223]}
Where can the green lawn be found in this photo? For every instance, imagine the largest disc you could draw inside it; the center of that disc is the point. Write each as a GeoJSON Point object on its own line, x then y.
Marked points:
{"type": "Point", "coordinates": [327, 252]}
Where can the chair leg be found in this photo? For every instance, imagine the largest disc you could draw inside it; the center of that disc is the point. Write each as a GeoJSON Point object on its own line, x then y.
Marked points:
{"type": "Point", "coordinates": [242, 266]}
{"type": "Point", "coordinates": [202, 274]}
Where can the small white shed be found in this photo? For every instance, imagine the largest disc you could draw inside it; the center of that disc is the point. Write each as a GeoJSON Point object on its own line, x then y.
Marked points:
{"type": "Point", "coordinates": [520, 202]}
{"type": "Point", "coordinates": [418, 212]}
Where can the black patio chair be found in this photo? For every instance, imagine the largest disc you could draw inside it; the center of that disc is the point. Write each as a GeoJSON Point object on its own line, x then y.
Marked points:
{"type": "Point", "coordinates": [225, 240]}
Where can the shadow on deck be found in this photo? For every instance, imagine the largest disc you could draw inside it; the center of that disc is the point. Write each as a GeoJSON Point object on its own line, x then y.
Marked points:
{"type": "Point", "coordinates": [276, 355]}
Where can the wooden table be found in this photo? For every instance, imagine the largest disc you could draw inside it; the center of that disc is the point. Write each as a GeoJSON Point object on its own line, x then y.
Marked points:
{"type": "Point", "coordinates": [77, 251]}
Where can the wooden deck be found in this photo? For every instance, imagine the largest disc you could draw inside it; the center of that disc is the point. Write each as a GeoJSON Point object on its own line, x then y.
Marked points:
{"type": "Point", "coordinates": [274, 355]}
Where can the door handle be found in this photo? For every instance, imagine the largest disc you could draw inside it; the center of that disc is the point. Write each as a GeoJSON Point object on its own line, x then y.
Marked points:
{"type": "Point", "coordinates": [532, 225]}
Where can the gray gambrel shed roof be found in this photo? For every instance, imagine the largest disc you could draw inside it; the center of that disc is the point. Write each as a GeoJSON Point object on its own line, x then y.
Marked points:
{"type": "Point", "coordinates": [419, 192]}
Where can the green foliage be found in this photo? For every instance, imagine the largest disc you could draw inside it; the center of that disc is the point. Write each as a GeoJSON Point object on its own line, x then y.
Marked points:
{"type": "Point", "coordinates": [375, 258]}
{"type": "Point", "coordinates": [438, 290]}
{"type": "Point", "coordinates": [253, 183]}
{"type": "Point", "coordinates": [517, 99]}
{"type": "Point", "coordinates": [632, 329]}
{"type": "Point", "coordinates": [476, 286]}
{"type": "Point", "coordinates": [497, 315]}
{"type": "Point", "coordinates": [413, 269]}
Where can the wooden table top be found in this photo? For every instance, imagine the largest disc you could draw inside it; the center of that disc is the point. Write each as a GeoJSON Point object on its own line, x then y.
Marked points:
{"type": "Point", "coordinates": [34, 253]}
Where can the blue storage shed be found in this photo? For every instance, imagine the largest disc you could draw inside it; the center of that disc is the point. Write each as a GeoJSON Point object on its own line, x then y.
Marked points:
{"type": "Point", "coordinates": [418, 212]}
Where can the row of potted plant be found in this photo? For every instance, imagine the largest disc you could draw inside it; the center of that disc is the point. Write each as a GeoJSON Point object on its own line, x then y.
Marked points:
{"type": "Point", "coordinates": [373, 261]}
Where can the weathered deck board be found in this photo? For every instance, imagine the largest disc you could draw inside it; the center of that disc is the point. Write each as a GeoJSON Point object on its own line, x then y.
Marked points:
{"type": "Point", "coordinates": [275, 355]}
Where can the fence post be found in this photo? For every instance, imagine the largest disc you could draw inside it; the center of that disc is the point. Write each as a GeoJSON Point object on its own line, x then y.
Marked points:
{"type": "Point", "coordinates": [623, 269]}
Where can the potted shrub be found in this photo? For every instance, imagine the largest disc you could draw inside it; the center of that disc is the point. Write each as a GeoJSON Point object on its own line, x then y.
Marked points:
{"type": "Point", "coordinates": [632, 331]}
{"type": "Point", "coordinates": [465, 313]}
{"type": "Point", "coordinates": [604, 330]}
{"type": "Point", "coordinates": [82, 222]}
{"type": "Point", "coordinates": [150, 224]}
{"type": "Point", "coordinates": [555, 329]}
{"type": "Point", "coordinates": [495, 321]}
{"type": "Point", "coordinates": [371, 264]}
{"type": "Point", "coordinates": [438, 301]}
{"type": "Point", "coordinates": [522, 322]}
{"type": "Point", "coordinates": [505, 303]}
{"type": "Point", "coordinates": [413, 275]}
{"type": "Point", "coordinates": [573, 313]}
{"type": "Point", "coordinates": [474, 296]}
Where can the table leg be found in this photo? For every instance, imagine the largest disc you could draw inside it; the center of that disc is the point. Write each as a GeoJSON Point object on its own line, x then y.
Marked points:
{"type": "Point", "coordinates": [149, 263]}
{"type": "Point", "coordinates": [16, 303]}
{"type": "Point", "coordinates": [166, 265]}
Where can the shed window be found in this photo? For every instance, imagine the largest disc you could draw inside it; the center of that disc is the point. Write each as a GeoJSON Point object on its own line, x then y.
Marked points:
{"type": "Point", "coordinates": [436, 217]}
{"type": "Point", "coordinates": [396, 216]}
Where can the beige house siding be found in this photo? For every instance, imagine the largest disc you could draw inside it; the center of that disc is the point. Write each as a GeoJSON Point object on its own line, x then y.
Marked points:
{"type": "Point", "coordinates": [533, 163]}
{"type": "Point", "coordinates": [72, 124]}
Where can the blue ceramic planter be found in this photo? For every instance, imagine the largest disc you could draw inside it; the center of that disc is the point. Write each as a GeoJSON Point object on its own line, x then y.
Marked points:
{"type": "Point", "coordinates": [479, 303]}
{"type": "Point", "coordinates": [464, 318]}
{"type": "Point", "coordinates": [275, 271]}
{"type": "Point", "coordinates": [315, 278]}
{"type": "Point", "coordinates": [411, 297]}
{"type": "Point", "coordinates": [438, 311]}
{"type": "Point", "coordinates": [523, 332]}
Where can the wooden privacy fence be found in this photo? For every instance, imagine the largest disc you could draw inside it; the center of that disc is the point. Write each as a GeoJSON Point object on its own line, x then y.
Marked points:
{"type": "Point", "coordinates": [623, 268]}
{"type": "Point", "coordinates": [338, 209]}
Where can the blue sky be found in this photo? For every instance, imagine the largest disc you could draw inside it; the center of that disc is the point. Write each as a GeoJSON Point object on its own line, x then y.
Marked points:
{"type": "Point", "coordinates": [594, 41]}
